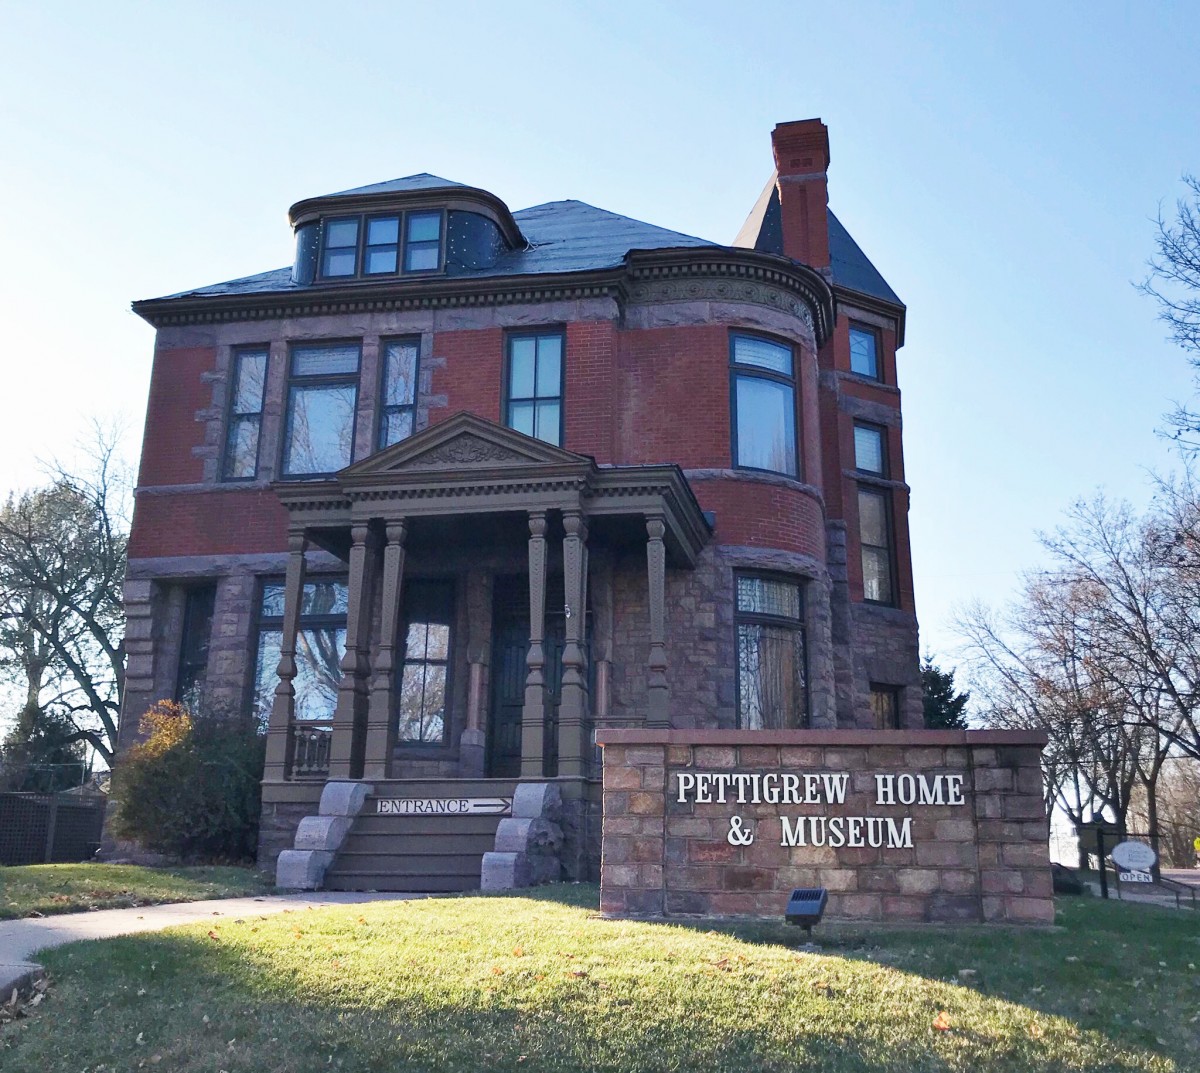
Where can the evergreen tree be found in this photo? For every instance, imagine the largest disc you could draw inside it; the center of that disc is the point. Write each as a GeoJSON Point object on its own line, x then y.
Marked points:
{"type": "Point", "coordinates": [945, 709]}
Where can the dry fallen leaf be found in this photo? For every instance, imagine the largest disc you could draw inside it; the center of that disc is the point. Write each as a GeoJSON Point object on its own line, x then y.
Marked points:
{"type": "Point", "coordinates": [942, 1021]}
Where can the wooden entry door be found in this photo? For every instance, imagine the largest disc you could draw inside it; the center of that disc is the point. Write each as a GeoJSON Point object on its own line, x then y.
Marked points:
{"type": "Point", "coordinates": [510, 646]}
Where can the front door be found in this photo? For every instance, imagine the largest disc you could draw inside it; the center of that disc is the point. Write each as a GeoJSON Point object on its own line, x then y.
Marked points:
{"type": "Point", "coordinates": [510, 646]}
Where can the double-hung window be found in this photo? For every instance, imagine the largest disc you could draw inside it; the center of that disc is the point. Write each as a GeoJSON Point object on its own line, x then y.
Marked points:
{"type": "Point", "coordinates": [322, 398]}
{"type": "Point", "coordinates": [864, 351]}
{"type": "Point", "coordinates": [870, 449]}
{"type": "Point", "coordinates": [535, 377]}
{"type": "Point", "coordinates": [198, 605]}
{"type": "Point", "coordinates": [422, 242]}
{"type": "Point", "coordinates": [397, 410]}
{"type": "Point", "coordinates": [764, 405]}
{"type": "Point", "coordinates": [249, 378]}
{"type": "Point", "coordinates": [885, 706]}
{"type": "Point", "coordinates": [875, 536]}
{"type": "Point", "coordinates": [772, 677]}
{"type": "Point", "coordinates": [320, 646]}
{"type": "Point", "coordinates": [424, 675]}
{"type": "Point", "coordinates": [874, 513]}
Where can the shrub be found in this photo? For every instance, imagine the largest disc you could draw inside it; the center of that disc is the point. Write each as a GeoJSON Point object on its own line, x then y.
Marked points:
{"type": "Point", "coordinates": [190, 787]}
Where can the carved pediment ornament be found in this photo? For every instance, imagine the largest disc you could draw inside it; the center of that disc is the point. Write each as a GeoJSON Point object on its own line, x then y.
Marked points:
{"type": "Point", "coordinates": [463, 451]}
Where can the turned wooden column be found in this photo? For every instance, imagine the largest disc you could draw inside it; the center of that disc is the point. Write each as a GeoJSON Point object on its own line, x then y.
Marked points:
{"type": "Point", "coordinates": [573, 702]}
{"type": "Point", "coordinates": [533, 714]}
{"type": "Point", "coordinates": [350, 715]}
{"type": "Point", "coordinates": [659, 697]}
{"type": "Point", "coordinates": [381, 721]}
{"type": "Point", "coordinates": [283, 708]}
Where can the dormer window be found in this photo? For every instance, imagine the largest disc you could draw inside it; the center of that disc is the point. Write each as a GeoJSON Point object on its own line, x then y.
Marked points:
{"type": "Point", "coordinates": [368, 246]}
{"type": "Point", "coordinates": [423, 242]}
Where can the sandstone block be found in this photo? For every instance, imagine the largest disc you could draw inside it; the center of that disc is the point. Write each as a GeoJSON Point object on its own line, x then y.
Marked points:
{"type": "Point", "coordinates": [326, 833]}
{"type": "Point", "coordinates": [301, 869]}
{"type": "Point", "coordinates": [645, 804]}
{"type": "Point", "coordinates": [504, 871]}
{"type": "Point", "coordinates": [537, 800]}
{"type": "Point", "coordinates": [917, 880]}
{"type": "Point", "coordinates": [344, 798]}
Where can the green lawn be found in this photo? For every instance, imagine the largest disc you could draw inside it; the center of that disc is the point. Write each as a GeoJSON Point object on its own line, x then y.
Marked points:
{"type": "Point", "coordinates": [543, 983]}
{"type": "Point", "coordinates": [73, 888]}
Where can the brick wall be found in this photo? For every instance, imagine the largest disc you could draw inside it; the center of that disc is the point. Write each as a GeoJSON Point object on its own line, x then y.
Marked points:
{"type": "Point", "coordinates": [177, 391]}
{"type": "Point", "coordinates": [984, 859]}
{"type": "Point", "coordinates": [225, 521]}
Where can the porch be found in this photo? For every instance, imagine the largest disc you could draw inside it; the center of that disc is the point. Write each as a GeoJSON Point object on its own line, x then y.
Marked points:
{"type": "Point", "coordinates": [477, 560]}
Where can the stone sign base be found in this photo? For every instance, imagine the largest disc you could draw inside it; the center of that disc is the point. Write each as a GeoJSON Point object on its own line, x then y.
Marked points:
{"type": "Point", "coordinates": [906, 826]}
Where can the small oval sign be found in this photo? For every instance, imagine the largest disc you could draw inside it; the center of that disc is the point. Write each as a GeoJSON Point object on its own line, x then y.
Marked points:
{"type": "Point", "coordinates": [1134, 856]}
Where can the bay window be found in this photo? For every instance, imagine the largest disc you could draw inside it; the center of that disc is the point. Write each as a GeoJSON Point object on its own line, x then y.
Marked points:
{"type": "Point", "coordinates": [764, 405]}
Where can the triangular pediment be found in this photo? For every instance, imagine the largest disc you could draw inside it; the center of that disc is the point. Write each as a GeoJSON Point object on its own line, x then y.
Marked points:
{"type": "Point", "coordinates": [462, 442]}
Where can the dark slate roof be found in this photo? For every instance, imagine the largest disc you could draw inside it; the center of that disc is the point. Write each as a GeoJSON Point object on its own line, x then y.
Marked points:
{"type": "Point", "coordinates": [851, 268]}
{"type": "Point", "coordinates": [421, 181]}
{"type": "Point", "coordinates": [563, 236]}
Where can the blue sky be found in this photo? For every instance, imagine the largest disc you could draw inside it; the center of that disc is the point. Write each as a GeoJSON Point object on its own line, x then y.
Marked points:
{"type": "Point", "coordinates": [1002, 167]}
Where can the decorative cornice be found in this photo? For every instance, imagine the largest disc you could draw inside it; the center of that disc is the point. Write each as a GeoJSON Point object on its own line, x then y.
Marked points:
{"type": "Point", "coordinates": [733, 274]}
{"type": "Point", "coordinates": [719, 273]}
{"type": "Point", "coordinates": [847, 296]}
{"type": "Point", "coordinates": [442, 292]}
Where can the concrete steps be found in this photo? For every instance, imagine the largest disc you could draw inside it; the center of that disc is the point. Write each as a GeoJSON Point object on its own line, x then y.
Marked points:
{"type": "Point", "coordinates": [420, 853]}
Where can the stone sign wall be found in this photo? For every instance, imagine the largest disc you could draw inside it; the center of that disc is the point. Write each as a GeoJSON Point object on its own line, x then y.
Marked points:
{"type": "Point", "coordinates": [905, 825]}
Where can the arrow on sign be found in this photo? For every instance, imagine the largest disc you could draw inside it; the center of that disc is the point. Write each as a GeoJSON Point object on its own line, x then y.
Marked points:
{"type": "Point", "coordinates": [444, 806]}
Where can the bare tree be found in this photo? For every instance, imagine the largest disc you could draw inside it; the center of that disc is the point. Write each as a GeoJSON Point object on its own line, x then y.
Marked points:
{"type": "Point", "coordinates": [1174, 284]}
{"type": "Point", "coordinates": [62, 565]}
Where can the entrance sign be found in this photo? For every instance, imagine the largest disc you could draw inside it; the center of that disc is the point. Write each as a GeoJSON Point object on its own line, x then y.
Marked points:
{"type": "Point", "coordinates": [445, 806]}
{"type": "Point", "coordinates": [1133, 856]}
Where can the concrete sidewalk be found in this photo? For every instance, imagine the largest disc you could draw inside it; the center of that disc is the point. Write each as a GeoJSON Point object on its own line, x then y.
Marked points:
{"type": "Point", "coordinates": [20, 939]}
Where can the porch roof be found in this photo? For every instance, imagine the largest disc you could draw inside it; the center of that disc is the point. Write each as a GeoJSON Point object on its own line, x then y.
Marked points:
{"type": "Point", "coordinates": [467, 465]}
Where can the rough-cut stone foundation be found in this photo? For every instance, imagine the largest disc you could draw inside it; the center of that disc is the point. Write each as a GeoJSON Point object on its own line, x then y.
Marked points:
{"type": "Point", "coordinates": [984, 859]}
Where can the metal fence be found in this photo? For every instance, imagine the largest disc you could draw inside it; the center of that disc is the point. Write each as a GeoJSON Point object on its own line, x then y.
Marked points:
{"type": "Point", "coordinates": [48, 829]}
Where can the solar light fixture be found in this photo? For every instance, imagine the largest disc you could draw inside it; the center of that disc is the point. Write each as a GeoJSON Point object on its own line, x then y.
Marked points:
{"type": "Point", "coordinates": [806, 906]}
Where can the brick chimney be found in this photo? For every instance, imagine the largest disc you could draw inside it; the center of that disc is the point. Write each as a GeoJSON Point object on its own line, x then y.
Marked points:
{"type": "Point", "coordinates": [802, 162]}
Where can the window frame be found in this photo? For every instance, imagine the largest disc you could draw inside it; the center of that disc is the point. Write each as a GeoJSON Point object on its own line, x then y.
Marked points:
{"type": "Point", "coordinates": [895, 693]}
{"type": "Point", "coordinates": [274, 623]}
{"type": "Point", "coordinates": [235, 365]}
{"type": "Point", "coordinates": [885, 496]}
{"type": "Point", "coordinates": [448, 585]}
{"type": "Point", "coordinates": [367, 219]}
{"type": "Point", "coordinates": [756, 618]}
{"type": "Point", "coordinates": [877, 336]}
{"type": "Point", "coordinates": [384, 408]}
{"type": "Point", "coordinates": [506, 399]}
{"type": "Point", "coordinates": [443, 223]}
{"type": "Point", "coordinates": [361, 247]}
{"type": "Point", "coordinates": [187, 636]}
{"type": "Point", "coordinates": [326, 221]}
{"type": "Point", "coordinates": [737, 369]}
{"type": "Point", "coordinates": [884, 464]}
{"type": "Point", "coordinates": [317, 380]}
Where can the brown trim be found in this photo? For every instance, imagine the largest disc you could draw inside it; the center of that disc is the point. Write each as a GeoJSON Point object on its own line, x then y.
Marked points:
{"type": "Point", "coordinates": [845, 296]}
{"type": "Point", "coordinates": [976, 738]}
